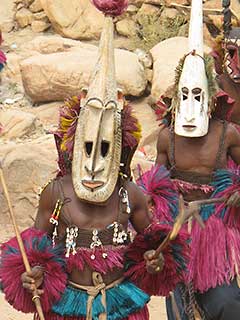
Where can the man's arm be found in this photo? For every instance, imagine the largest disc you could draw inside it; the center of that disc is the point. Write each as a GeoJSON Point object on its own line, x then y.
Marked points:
{"type": "Point", "coordinates": [162, 147]}
{"type": "Point", "coordinates": [45, 209]}
{"type": "Point", "coordinates": [140, 218]}
{"type": "Point", "coordinates": [234, 143]}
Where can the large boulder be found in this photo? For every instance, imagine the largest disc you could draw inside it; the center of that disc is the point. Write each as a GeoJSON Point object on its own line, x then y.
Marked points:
{"type": "Point", "coordinates": [75, 19]}
{"type": "Point", "coordinates": [150, 127]}
{"type": "Point", "coordinates": [17, 123]}
{"type": "Point", "coordinates": [27, 167]}
{"type": "Point", "coordinates": [52, 44]}
{"type": "Point", "coordinates": [56, 76]}
{"type": "Point", "coordinates": [166, 56]}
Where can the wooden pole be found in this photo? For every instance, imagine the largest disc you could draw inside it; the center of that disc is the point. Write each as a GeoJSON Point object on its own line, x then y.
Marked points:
{"type": "Point", "coordinates": [182, 217]}
{"type": "Point", "coordinates": [36, 298]}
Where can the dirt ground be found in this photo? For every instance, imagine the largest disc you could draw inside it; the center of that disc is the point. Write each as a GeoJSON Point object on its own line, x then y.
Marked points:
{"type": "Point", "coordinates": [156, 307]}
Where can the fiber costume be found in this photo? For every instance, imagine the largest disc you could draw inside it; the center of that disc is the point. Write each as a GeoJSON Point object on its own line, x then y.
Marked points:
{"type": "Point", "coordinates": [215, 251]}
{"type": "Point", "coordinates": [96, 139]}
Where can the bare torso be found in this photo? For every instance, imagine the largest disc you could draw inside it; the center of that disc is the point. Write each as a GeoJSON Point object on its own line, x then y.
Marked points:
{"type": "Point", "coordinates": [89, 217]}
{"type": "Point", "coordinates": [199, 155]}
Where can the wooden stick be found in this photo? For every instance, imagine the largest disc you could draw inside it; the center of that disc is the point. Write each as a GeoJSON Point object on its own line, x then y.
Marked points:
{"type": "Point", "coordinates": [181, 218]}
{"type": "Point", "coordinates": [36, 298]}
{"type": "Point", "coordinates": [207, 201]}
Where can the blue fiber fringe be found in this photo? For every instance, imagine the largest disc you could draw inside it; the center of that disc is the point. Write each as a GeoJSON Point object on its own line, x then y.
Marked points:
{"type": "Point", "coordinates": [122, 300]}
{"type": "Point", "coordinates": [222, 180]}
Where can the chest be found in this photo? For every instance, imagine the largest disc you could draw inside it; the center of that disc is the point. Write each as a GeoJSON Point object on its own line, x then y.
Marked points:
{"type": "Point", "coordinates": [205, 153]}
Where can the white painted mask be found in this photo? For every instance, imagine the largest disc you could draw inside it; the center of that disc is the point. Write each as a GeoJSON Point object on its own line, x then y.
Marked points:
{"type": "Point", "coordinates": [191, 114]}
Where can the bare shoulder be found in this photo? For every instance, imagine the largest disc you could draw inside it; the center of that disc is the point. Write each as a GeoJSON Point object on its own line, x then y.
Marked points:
{"type": "Point", "coordinates": [233, 135]}
{"type": "Point", "coordinates": [46, 206]}
{"type": "Point", "coordinates": [164, 134]}
{"type": "Point", "coordinates": [136, 196]}
{"type": "Point", "coordinates": [139, 211]}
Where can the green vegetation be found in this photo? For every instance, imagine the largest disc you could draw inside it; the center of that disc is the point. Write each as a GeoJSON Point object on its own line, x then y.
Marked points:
{"type": "Point", "coordinates": [152, 29]}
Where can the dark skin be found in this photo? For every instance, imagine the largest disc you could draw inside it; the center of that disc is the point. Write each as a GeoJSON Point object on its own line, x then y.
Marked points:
{"type": "Point", "coordinates": [90, 216]}
{"type": "Point", "coordinates": [199, 154]}
{"type": "Point", "coordinates": [233, 90]}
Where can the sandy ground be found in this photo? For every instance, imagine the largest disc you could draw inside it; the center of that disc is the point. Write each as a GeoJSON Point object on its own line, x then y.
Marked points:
{"type": "Point", "coordinates": [156, 307]}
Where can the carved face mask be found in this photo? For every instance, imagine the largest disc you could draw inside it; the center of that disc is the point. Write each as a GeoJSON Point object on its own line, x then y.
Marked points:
{"type": "Point", "coordinates": [232, 58]}
{"type": "Point", "coordinates": [97, 150]}
{"type": "Point", "coordinates": [191, 115]}
{"type": "Point", "coordinates": [98, 137]}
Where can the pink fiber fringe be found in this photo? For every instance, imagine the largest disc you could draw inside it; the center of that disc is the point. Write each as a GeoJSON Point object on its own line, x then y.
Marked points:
{"type": "Point", "coordinates": [100, 264]}
{"type": "Point", "coordinates": [3, 58]}
{"type": "Point", "coordinates": [157, 184]}
{"type": "Point", "coordinates": [231, 217]}
{"type": "Point", "coordinates": [130, 125]}
{"type": "Point", "coordinates": [143, 314]}
{"type": "Point", "coordinates": [174, 261]}
{"type": "Point", "coordinates": [111, 7]}
{"type": "Point", "coordinates": [184, 186]}
{"type": "Point", "coordinates": [215, 254]}
{"type": "Point", "coordinates": [12, 268]}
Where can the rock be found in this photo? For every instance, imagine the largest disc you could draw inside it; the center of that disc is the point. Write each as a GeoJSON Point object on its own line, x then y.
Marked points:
{"type": "Point", "coordinates": [24, 17]}
{"type": "Point", "coordinates": [147, 10]}
{"type": "Point", "coordinates": [36, 6]}
{"type": "Point", "coordinates": [136, 2]}
{"type": "Point", "coordinates": [76, 20]}
{"type": "Point", "coordinates": [126, 27]}
{"type": "Point", "coordinates": [155, 2]}
{"type": "Point", "coordinates": [20, 6]}
{"type": "Point", "coordinates": [144, 57]}
{"type": "Point", "coordinates": [13, 70]}
{"type": "Point", "coordinates": [59, 75]}
{"type": "Point", "coordinates": [54, 43]}
{"type": "Point", "coordinates": [48, 114]}
{"type": "Point", "coordinates": [166, 56]}
{"type": "Point", "coordinates": [7, 26]}
{"type": "Point", "coordinates": [40, 26]}
{"type": "Point", "coordinates": [40, 16]}
{"type": "Point", "coordinates": [6, 9]}
{"type": "Point", "coordinates": [150, 127]}
{"type": "Point", "coordinates": [132, 9]}
{"type": "Point", "coordinates": [169, 13]}
{"type": "Point", "coordinates": [27, 2]}
{"type": "Point", "coordinates": [183, 2]}
{"type": "Point", "coordinates": [17, 123]}
{"type": "Point", "coordinates": [26, 172]}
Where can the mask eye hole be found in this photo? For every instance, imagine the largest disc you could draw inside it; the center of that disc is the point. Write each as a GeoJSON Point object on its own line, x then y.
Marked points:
{"type": "Point", "coordinates": [185, 93]}
{"type": "Point", "coordinates": [197, 94]}
{"type": "Point", "coordinates": [104, 148]}
{"type": "Point", "coordinates": [231, 52]}
{"type": "Point", "coordinates": [88, 148]}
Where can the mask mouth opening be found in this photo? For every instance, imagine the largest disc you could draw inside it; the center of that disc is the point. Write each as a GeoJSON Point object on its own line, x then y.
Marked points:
{"type": "Point", "coordinates": [189, 127]}
{"type": "Point", "coordinates": [91, 184]}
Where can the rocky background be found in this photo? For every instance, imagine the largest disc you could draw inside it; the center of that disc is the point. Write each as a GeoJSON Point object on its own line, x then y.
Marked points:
{"type": "Point", "coordinates": [51, 46]}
